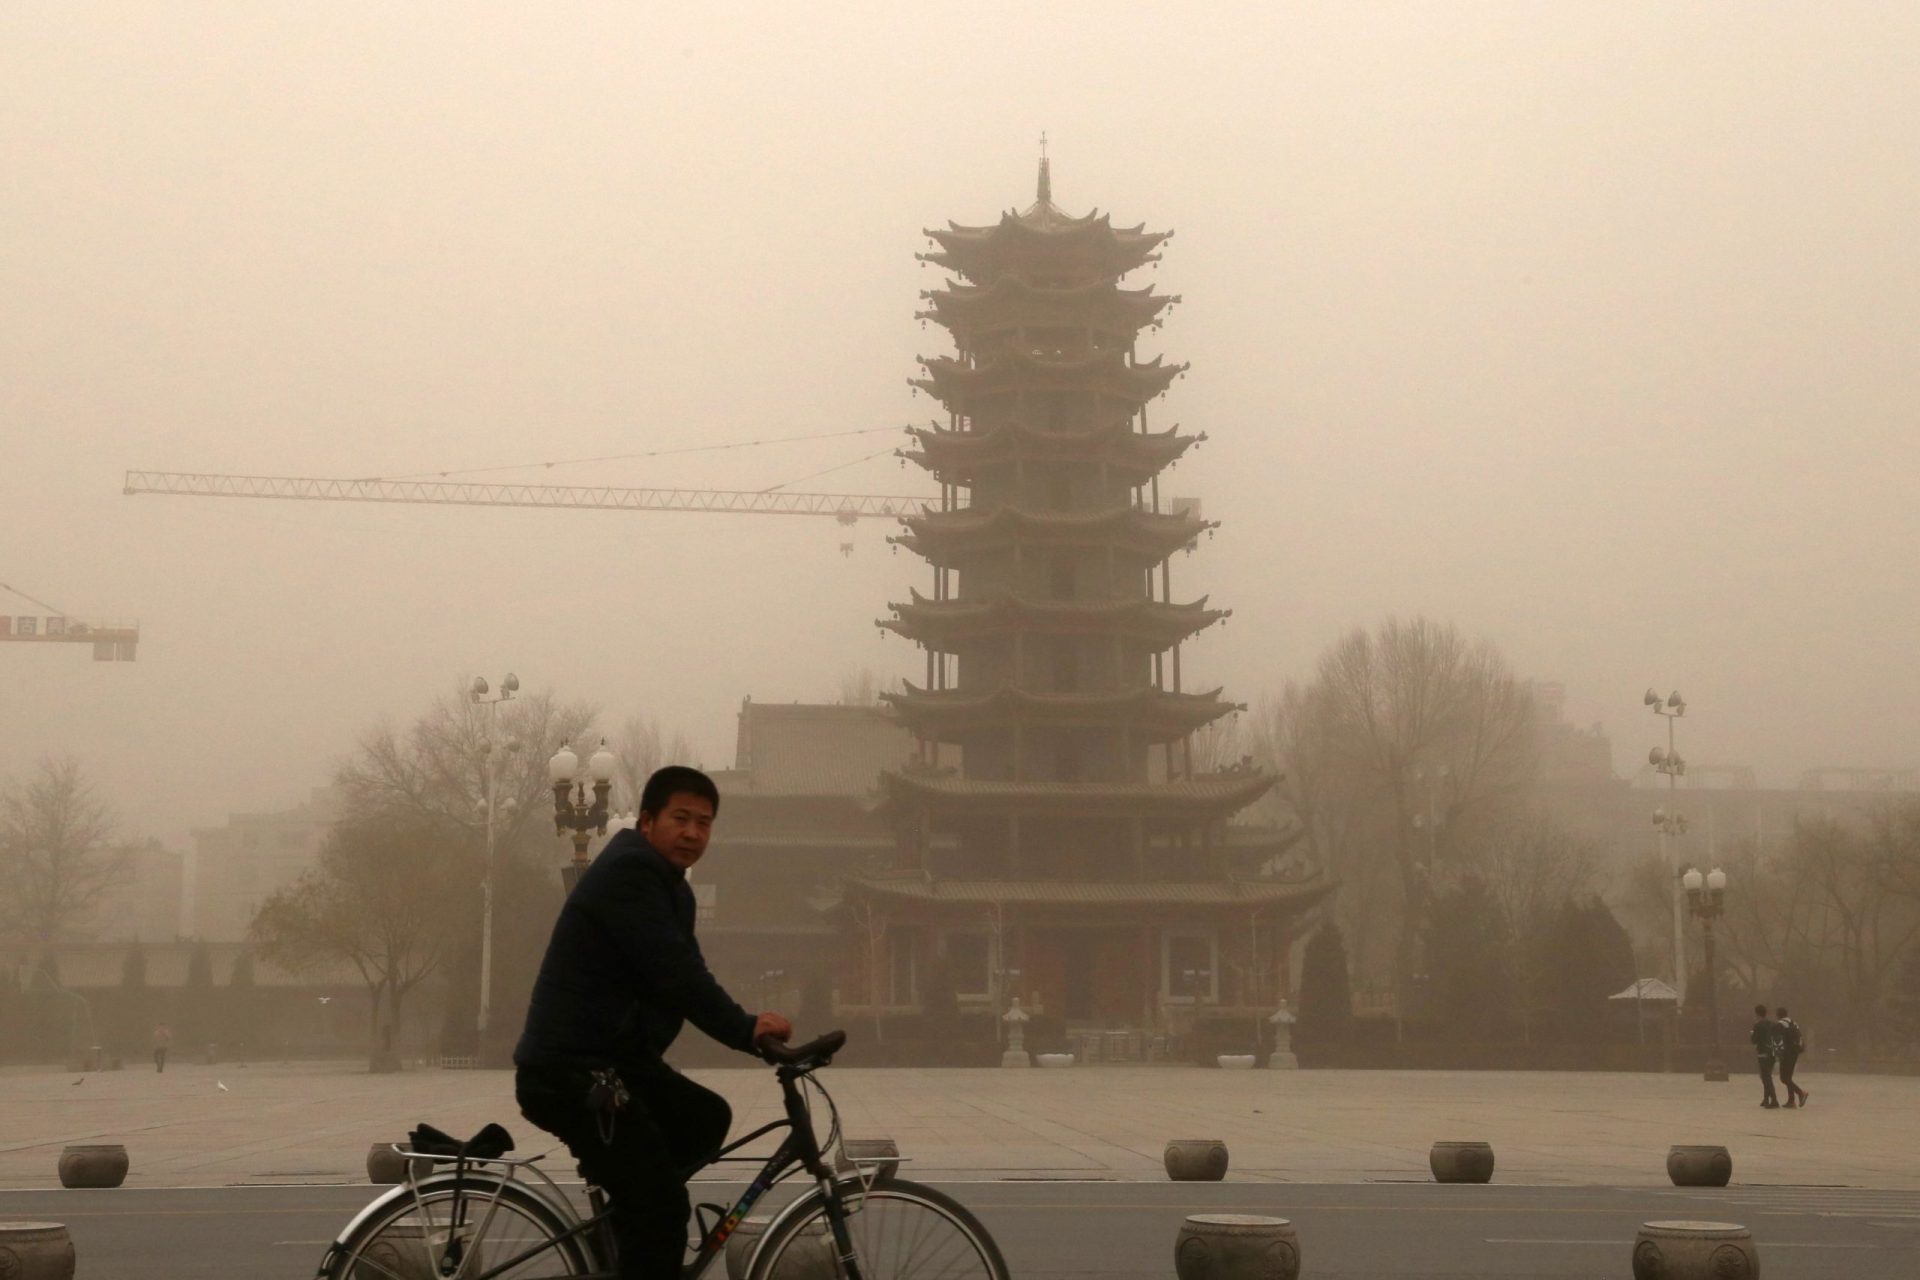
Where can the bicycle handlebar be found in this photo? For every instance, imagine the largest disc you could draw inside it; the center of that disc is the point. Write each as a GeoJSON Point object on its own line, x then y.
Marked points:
{"type": "Point", "coordinates": [816, 1052]}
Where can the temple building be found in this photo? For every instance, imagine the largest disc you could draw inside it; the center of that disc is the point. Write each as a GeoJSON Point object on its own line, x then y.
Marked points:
{"type": "Point", "coordinates": [1055, 840]}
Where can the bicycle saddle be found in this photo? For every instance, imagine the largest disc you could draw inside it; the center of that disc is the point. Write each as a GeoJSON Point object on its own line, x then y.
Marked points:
{"type": "Point", "coordinates": [490, 1143]}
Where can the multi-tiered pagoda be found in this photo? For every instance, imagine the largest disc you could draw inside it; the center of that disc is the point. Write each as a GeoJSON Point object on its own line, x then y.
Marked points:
{"type": "Point", "coordinates": [1057, 843]}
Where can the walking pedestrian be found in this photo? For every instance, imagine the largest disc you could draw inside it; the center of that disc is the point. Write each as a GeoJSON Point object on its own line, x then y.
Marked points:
{"type": "Point", "coordinates": [1766, 1044]}
{"type": "Point", "coordinates": [162, 1041]}
{"type": "Point", "coordinates": [1793, 1043]}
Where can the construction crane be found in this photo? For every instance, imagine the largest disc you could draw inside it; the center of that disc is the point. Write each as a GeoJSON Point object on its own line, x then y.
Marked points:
{"type": "Point", "coordinates": [844, 507]}
{"type": "Point", "coordinates": [111, 641]}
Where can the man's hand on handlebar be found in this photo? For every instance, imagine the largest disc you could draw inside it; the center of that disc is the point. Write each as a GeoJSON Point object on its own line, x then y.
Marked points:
{"type": "Point", "coordinates": [772, 1026]}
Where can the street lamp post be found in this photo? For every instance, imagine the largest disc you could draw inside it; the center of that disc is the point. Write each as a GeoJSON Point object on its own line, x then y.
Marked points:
{"type": "Point", "coordinates": [1704, 899]}
{"type": "Point", "coordinates": [1667, 760]}
{"type": "Point", "coordinates": [477, 693]}
{"type": "Point", "coordinates": [572, 813]}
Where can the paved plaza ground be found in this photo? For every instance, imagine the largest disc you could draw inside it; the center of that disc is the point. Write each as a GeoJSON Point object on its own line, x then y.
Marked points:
{"type": "Point", "coordinates": [313, 1122]}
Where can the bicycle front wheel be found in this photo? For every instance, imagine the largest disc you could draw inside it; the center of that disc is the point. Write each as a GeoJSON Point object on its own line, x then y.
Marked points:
{"type": "Point", "coordinates": [428, 1237]}
{"type": "Point", "coordinates": [899, 1231]}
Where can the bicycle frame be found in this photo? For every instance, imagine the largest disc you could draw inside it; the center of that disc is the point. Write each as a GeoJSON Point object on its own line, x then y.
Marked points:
{"type": "Point", "coordinates": [800, 1148]}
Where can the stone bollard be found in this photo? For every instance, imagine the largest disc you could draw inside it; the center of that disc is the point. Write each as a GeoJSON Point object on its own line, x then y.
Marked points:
{"type": "Point", "coordinates": [1699, 1166]}
{"type": "Point", "coordinates": [35, 1251]}
{"type": "Point", "coordinates": [1695, 1251]}
{"type": "Point", "coordinates": [1234, 1061]}
{"type": "Point", "coordinates": [385, 1166]}
{"type": "Point", "coordinates": [864, 1152]}
{"type": "Point", "coordinates": [1236, 1246]}
{"type": "Point", "coordinates": [104, 1165]}
{"type": "Point", "coordinates": [1054, 1059]}
{"type": "Point", "coordinates": [1461, 1162]}
{"type": "Point", "coordinates": [1196, 1159]}
{"type": "Point", "coordinates": [809, 1258]}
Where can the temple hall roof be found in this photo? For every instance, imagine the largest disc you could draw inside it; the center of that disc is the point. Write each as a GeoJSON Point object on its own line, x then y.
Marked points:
{"type": "Point", "coordinates": [1242, 894]}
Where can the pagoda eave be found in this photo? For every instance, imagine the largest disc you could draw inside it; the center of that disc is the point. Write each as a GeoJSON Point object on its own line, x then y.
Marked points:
{"type": "Point", "coordinates": [1147, 624]}
{"type": "Point", "coordinates": [1103, 373]}
{"type": "Point", "coordinates": [1209, 797]}
{"type": "Point", "coordinates": [1154, 713]}
{"type": "Point", "coordinates": [1129, 452]}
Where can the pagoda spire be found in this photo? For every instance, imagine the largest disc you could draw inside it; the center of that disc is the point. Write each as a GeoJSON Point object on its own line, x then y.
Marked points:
{"type": "Point", "coordinates": [1044, 188]}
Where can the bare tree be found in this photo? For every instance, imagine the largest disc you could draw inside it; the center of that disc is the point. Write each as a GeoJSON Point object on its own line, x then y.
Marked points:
{"type": "Point", "coordinates": [56, 856]}
{"type": "Point", "coordinates": [1866, 927]}
{"type": "Point", "coordinates": [1410, 720]}
{"type": "Point", "coordinates": [384, 899]}
{"type": "Point", "coordinates": [639, 748]}
{"type": "Point", "coordinates": [436, 771]}
{"type": "Point", "coordinates": [862, 687]}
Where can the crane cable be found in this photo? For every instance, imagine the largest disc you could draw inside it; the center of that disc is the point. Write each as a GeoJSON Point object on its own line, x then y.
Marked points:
{"type": "Point", "coordinates": [61, 613]}
{"type": "Point", "coordinates": [648, 453]}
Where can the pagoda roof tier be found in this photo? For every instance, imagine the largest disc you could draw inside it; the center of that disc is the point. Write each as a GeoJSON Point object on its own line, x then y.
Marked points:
{"type": "Point", "coordinates": [949, 538]}
{"type": "Point", "coordinates": [960, 454]}
{"type": "Point", "coordinates": [962, 386]}
{"type": "Point", "coordinates": [1126, 894]}
{"type": "Point", "coordinates": [1046, 242]}
{"type": "Point", "coordinates": [1159, 714]}
{"type": "Point", "coordinates": [1211, 796]}
{"type": "Point", "coordinates": [942, 623]}
{"type": "Point", "coordinates": [1010, 302]}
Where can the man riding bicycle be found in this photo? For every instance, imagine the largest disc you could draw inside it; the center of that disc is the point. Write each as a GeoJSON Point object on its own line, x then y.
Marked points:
{"type": "Point", "coordinates": [622, 974]}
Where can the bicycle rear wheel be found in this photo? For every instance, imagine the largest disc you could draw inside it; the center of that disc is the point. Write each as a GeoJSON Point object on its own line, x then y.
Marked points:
{"type": "Point", "coordinates": [424, 1238]}
{"type": "Point", "coordinates": [899, 1231]}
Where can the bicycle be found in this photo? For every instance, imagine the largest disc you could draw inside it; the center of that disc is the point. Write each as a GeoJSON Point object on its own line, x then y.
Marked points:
{"type": "Point", "coordinates": [490, 1217]}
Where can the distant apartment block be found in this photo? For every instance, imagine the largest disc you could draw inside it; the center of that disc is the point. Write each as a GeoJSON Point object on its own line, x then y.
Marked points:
{"type": "Point", "coordinates": [234, 867]}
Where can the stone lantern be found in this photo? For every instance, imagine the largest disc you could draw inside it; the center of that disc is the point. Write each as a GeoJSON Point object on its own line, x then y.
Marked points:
{"type": "Point", "coordinates": [1016, 1052]}
{"type": "Point", "coordinates": [1283, 1020]}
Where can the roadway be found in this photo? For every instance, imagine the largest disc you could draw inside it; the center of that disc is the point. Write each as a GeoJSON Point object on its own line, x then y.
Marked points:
{"type": "Point", "coordinates": [1381, 1230]}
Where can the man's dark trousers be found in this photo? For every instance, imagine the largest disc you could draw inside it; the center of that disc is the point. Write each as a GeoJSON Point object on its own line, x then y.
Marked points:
{"type": "Point", "coordinates": [1794, 1091]}
{"type": "Point", "coordinates": [1766, 1082]}
{"type": "Point", "coordinates": [669, 1125]}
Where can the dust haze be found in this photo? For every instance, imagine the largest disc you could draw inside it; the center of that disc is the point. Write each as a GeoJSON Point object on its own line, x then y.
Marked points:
{"type": "Point", "coordinates": [1589, 328]}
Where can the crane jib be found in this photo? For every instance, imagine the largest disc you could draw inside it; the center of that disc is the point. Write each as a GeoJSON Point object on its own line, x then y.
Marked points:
{"type": "Point", "coordinates": [583, 497]}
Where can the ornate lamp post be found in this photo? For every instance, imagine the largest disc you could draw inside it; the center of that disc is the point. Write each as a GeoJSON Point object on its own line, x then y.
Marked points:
{"type": "Point", "coordinates": [1667, 761]}
{"type": "Point", "coordinates": [490, 809]}
{"type": "Point", "coordinates": [571, 810]}
{"type": "Point", "coordinates": [1704, 897]}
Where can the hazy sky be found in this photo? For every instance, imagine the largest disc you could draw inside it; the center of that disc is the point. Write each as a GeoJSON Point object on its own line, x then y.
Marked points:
{"type": "Point", "coordinates": [1590, 327]}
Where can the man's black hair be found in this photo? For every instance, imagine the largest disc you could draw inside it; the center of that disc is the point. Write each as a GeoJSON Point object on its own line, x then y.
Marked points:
{"type": "Point", "coordinates": [1759, 1010]}
{"type": "Point", "coordinates": [1781, 1012]}
{"type": "Point", "coordinates": [677, 780]}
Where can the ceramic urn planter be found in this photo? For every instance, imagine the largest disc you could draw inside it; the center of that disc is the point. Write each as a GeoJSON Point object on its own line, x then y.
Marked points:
{"type": "Point", "coordinates": [93, 1166]}
{"type": "Point", "coordinates": [1236, 1246]}
{"type": "Point", "coordinates": [1695, 1251]}
{"type": "Point", "coordinates": [1196, 1159]}
{"type": "Point", "coordinates": [1699, 1166]}
{"type": "Point", "coordinates": [35, 1251]}
{"type": "Point", "coordinates": [1461, 1162]}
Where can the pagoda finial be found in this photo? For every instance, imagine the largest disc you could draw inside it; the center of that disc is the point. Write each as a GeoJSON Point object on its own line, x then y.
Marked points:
{"type": "Point", "coordinates": [1046, 174]}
